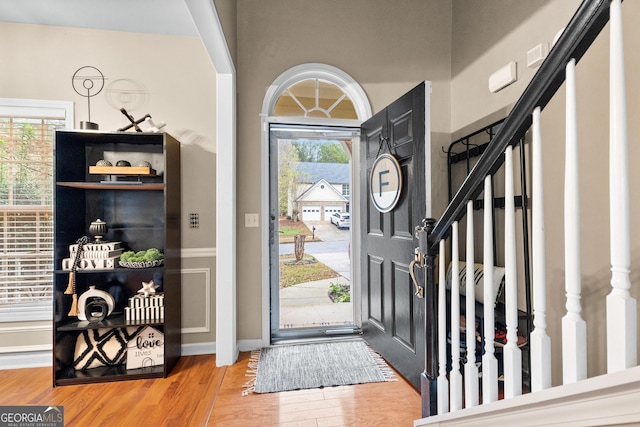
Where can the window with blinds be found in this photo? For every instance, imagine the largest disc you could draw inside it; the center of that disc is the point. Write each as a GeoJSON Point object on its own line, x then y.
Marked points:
{"type": "Point", "coordinates": [26, 213]}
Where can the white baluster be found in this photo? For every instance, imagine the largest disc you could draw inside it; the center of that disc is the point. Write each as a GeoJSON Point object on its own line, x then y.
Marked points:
{"type": "Point", "coordinates": [621, 307]}
{"type": "Point", "coordinates": [470, 368]}
{"type": "Point", "coordinates": [540, 341]}
{"type": "Point", "coordinates": [455, 377]}
{"type": "Point", "coordinates": [512, 354]}
{"type": "Point", "coordinates": [574, 328]}
{"type": "Point", "coordinates": [443, 383]}
{"type": "Point", "coordinates": [489, 361]}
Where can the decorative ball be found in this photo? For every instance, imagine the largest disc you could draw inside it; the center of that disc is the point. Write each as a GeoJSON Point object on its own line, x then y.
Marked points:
{"type": "Point", "coordinates": [103, 163]}
{"type": "Point", "coordinates": [143, 164]}
{"type": "Point", "coordinates": [123, 163]}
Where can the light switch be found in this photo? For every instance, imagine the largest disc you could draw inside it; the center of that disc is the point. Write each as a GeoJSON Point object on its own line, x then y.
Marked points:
{"type": "Point", "coordinates": [251, 220]}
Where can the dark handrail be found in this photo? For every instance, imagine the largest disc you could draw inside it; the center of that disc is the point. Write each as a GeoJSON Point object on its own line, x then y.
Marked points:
{"type": "Point", "coordinates": [582, 30]}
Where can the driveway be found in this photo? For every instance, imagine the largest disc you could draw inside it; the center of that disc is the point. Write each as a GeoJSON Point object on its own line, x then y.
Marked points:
{"type": "Point", "coordinates": [328, 232]}
{"type": "Point", "coordinates": [336, 258]}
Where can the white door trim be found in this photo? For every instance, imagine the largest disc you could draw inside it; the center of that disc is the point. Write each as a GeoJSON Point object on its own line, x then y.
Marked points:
{"type": "Point", "coordinates": [363, 109]}
{"type": "Point", "coordinates": [206, 19]}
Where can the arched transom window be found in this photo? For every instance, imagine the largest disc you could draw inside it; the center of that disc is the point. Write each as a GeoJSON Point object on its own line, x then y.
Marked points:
{"type": "Point", "coordinates": [315, 98]}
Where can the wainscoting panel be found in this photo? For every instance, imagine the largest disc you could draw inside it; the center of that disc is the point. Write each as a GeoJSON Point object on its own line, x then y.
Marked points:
{"type": "Point", "coordinates": [196, 300]}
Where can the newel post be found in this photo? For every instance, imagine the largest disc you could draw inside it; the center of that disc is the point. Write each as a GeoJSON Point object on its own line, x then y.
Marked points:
{"type": "Point", "coordinates": [428, 380]}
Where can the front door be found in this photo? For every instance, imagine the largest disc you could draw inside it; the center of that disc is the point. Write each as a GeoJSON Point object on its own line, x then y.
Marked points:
{"type": "Point", "coordinates": [310, 169]}
{"type": "Point", "coordinates": [393, 318]}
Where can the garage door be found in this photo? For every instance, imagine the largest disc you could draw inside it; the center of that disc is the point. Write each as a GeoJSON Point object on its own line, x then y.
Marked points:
{"type": "Point", "coordinates": [330, 210]}
{"type": "Point", "coordinates": [311, 213]}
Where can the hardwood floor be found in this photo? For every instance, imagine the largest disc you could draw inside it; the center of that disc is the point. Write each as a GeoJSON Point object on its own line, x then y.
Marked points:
{"type": "Point", "coordinates": [197, 393]}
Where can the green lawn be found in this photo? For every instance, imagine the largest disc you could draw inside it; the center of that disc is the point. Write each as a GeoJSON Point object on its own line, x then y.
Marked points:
{"type": "Point", "coordinates": [289, 228]}
{"type": "Point", "coordinates": [307, 270]}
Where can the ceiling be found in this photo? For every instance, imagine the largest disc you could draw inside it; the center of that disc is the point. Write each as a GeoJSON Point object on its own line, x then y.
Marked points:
{"type": "Point", "coordinates": [169, 17]}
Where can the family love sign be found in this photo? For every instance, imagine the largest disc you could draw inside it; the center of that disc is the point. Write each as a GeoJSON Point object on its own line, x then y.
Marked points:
{"type": "Point", "coordinates": [146, 349]}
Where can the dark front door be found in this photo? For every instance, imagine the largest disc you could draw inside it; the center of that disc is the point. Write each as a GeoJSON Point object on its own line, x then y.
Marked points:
{"type": "Point", "coordinates": [392, 316]}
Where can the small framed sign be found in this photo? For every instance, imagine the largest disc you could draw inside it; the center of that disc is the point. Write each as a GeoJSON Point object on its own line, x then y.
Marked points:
{"type": "Point", "coordinates": [385, 183]}
{"type": "Point", "coordinates": [146, 349]}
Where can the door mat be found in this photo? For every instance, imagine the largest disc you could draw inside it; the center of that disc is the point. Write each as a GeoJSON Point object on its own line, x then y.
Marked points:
{"type": "Point", "coordinates": [304, 366]}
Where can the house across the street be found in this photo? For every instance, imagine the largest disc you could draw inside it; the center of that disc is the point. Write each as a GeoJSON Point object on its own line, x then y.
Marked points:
{"type": "Point", "coordinates": [323, 190]}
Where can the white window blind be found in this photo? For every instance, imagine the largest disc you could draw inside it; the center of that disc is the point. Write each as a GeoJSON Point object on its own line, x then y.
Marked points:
{"type": "Point", "coordinates": [26, 205]}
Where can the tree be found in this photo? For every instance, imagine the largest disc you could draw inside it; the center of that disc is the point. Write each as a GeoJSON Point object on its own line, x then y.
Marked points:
{"type": "Point", "coordinates": [288, 176]}
{"type": "Point", "coordinates": [306, 150]}
{"type": "Point", "coordinates": [25, 164]}
{"type": "Point", "coordinates": [332, 152]}
{"type": "Point", "coordinates": [320, 151]}
{"type": "Point", "coordinates": [298, 247]}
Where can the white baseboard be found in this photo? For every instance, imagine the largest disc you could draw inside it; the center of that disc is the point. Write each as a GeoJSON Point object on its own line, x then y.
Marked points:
{"type": "Point", "coordinates": [43, 358]}
{"type": "Point", "coordinates": [210, 347]}
{"type": "Point", "coordinates": [26, 359]}
{"type": "Point", "coordinates": [37, 358]}
{"type": "Point", "coordinates": [198, 348]}
{"type": "Point", "coordinates": [249, 345]}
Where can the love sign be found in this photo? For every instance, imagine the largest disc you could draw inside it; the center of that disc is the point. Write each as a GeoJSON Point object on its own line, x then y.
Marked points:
{"type": "Point", "coordinates": [146, 349]}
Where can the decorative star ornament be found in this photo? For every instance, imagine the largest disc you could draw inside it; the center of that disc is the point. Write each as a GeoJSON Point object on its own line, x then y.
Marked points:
{"type": "Point", "coordinates": [148, 288]}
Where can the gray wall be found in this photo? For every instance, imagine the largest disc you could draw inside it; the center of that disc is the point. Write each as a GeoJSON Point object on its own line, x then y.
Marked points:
{"type": "Point", "coordinates": [387, 47]}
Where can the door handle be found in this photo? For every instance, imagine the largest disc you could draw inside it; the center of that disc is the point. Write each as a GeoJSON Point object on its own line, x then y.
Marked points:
{"type": "Point", "coordinates": [419, 290]}
{"type": "Point", "coordinates": [418, 257]}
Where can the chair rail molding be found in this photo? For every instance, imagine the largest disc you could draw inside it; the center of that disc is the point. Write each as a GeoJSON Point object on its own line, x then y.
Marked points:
{"type": "Point", "coordinates": [198, 253]}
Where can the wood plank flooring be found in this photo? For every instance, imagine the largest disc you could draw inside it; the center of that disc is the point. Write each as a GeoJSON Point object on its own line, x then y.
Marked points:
{"type": "Point", "coordinates": [197, 393]}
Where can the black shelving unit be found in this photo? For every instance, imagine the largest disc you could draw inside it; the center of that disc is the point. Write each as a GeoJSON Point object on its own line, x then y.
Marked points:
{"type": "Point", "coordinates": [141, 212]}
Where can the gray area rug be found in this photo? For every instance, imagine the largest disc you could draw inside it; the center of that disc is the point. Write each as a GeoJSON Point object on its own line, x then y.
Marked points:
{"type": "Point", "coordinates": [293, 367]}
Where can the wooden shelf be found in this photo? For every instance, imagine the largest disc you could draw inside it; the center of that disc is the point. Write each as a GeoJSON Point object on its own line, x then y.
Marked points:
{"type": "Point", "coordinates": [108, 373]}
{"type": "Point", "coordinates": [109, 270]}
{"type": "Point", "coordinates": [122, 185]}
{"type": "Point", "coordinates": [121, 170]}
{"type": "Point", "coordinates": [112, 322]}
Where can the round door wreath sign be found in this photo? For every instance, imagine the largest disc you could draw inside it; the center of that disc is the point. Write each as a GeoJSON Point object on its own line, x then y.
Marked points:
{"type": "Point", "coordinates": [385, 183]}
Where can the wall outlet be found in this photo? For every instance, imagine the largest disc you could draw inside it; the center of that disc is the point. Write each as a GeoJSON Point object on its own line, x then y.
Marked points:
{"type": "Point", "coordinates": [194, 220]}
{"type": "Point", "coordinates": [251, 220]}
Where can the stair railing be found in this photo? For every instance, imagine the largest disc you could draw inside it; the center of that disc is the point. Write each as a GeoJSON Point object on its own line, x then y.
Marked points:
{"type": "Point", "coordinates": [442, 387]}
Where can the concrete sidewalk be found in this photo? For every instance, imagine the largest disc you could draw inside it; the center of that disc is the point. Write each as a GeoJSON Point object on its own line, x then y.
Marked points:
{"type": "Point", "coordinates": [308, 305]}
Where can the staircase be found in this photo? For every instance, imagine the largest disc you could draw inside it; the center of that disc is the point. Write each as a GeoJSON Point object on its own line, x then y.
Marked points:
{"type": "Point", "coordinates": [513, 384]}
